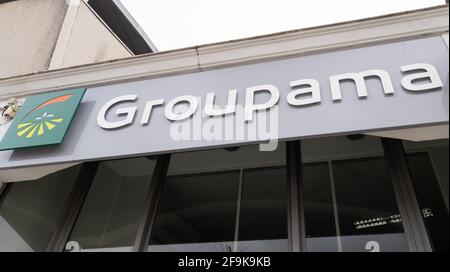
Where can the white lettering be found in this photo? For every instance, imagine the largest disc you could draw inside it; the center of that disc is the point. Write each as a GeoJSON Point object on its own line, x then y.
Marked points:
{"type": "Point", "coordinates": [430, 73]}
{"type": "Point", "coordinates": [192, 107]}
{"type": "Point", "coordinates": [129, 111]}
{"type": "Point", "coordinates": [419, 77]}
{"type": "Point", "coordinates": [250, 106]}
{"type": "Point", "coordinates": [312, 87]}
{"type": "Point", "coordinates": [214, 111]}
{"type": "Point", "coordinates": [148, 110]}
{"type": "Point", "coordinates": [359, 79]}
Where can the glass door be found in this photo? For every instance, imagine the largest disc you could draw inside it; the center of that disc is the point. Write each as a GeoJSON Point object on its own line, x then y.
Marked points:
{"type": "Point", "coordinates": [350, 203]}
{"type": "Point", "coordinates": [223, 200]}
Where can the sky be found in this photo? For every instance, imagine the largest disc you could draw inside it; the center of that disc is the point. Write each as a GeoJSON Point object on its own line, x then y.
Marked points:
{"type": "Point", "coordinates": [172, 24]}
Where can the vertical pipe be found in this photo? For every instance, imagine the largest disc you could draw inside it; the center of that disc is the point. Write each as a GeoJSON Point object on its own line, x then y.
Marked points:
{"type": "Point", "coordinates": [238, 211]}
{"type": "Point", "coordinates": [296, 217]}
{"type": "Point", "coordinates": [412, 220]}
{"type": "Point", "coordinates": [151, 205]}
{"type": "Point", "coordinates": [335, 209]}
{"type": "Point", "coordinates": [72, 207]}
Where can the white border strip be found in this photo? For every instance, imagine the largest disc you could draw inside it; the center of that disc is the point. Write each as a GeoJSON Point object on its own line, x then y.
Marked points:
{"type": "Point", "coordinates": [445, 37]}
{"type": "Point", "coordinates": [432, 21]}
{"type": "Point", "coordinates": [64, 34]}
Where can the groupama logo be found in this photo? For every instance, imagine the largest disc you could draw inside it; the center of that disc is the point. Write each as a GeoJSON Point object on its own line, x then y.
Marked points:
{"type": "Point", "coordinates": [43, 120]}
{"type": "Point", "coordinates": [38, 125]}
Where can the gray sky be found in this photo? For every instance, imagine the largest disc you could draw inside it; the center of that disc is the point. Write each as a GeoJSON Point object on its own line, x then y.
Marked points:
{"type": "Point", "coordinates": [174, 24]}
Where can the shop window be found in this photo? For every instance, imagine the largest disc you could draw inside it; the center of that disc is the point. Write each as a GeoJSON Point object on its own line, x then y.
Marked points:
{"type": "Point", "coordinates": [111, 213]}
{"type": "Point", "coordinates": [30, 211]}
{"type": "Point", "coordinates": [366, 207]}
{"type": "Point", "coordinates": [349, 199]}
{"type": "Point", "coordinates": [263, 210]}
{"type": "Point", "coordinates": [197, 213]}
{"type": "Point", "coordinates": [319, 220]}
{"type": "Point", "coordinates": [223, 200]}
{"type": "Point", "coordinates": [428, 165]}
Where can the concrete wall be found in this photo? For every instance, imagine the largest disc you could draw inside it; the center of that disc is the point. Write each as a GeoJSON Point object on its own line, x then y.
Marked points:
{"type": "Point", "coordinates": [84, 38]}
{"type": "Point", "coordinates": [28, 33]}
{"type": "Point", "coordinates": [39, 35]}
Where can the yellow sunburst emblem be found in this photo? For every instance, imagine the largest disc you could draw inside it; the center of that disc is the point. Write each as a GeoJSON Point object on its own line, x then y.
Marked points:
{"type": "Point", "coordinates": [39, 126]}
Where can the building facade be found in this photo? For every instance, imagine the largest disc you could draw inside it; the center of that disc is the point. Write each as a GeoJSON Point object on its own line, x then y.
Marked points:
{"type": "Point", "coordinates": [332, 138]}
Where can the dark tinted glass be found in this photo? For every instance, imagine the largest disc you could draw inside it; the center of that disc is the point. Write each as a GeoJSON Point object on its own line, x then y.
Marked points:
{"type": "Point", "coordinates": [367, 209]}
{"type": "Point", "coordinates": [349, 197]}
{"type": "Point", "coordinates": [430, 199]}
{"type": "Point", "coordinates": [319, 222]}
{"type": "Point", "coordinates": [263, 210]}
{"type": "Point", "coordinates": [195, 212]}
{"type": "Point", "coordinates": [231, 199]}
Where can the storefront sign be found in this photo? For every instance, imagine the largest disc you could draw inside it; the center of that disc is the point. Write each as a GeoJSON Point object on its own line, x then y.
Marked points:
{"type": "Point", "coordinates": [389, 86]}
{"type": "Point", "coordinates": [304, 92]}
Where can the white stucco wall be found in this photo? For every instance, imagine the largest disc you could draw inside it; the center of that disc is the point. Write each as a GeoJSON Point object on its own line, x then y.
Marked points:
{"type": "Point", "coordinates": [84, 39]}
{"type": "Point", "coordinates": [38, 35]}
{"type": "Point", "coordinates": [28, 33]}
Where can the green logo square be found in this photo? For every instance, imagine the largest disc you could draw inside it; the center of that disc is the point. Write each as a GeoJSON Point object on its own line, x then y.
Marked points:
{"type": "Point", "coordinates": [43, 120]}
